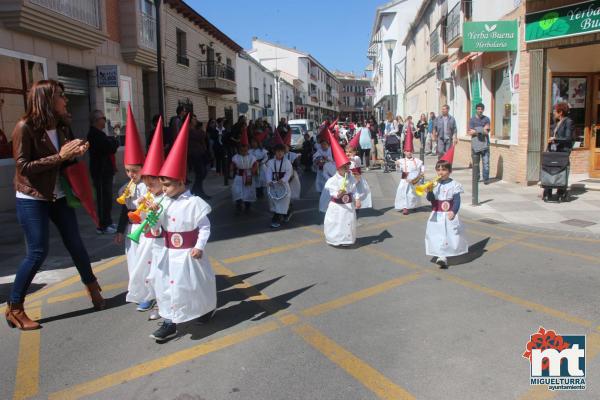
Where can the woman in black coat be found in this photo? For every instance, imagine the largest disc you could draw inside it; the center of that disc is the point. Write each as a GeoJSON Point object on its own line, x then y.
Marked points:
{"type": "Point", "coordinates": [561, 138]}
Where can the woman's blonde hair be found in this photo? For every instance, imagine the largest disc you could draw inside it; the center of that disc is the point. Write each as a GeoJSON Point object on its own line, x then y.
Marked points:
{"type": "Point", "coordinates": [40, 100]}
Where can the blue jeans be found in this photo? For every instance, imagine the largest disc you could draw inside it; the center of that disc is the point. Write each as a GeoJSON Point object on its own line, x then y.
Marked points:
{"type": "Point", "coordinates": [33, 216]}
{"type": "Point", "coordinates": [484, 155]}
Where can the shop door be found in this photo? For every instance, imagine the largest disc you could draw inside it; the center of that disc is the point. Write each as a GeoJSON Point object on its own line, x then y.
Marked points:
{"type": "Point", "coordinates": [595, 131]}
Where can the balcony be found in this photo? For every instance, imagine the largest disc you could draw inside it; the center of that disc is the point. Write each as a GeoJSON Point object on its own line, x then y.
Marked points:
{"type": "Point", "coordinates": [138, 35]}
{"type": "Point", "coordinates": [75, 23]}
{"type": "Point", "coordinates": [437, 47]}
{"type": "Point", "coordinates": [216, 77]}
{"type": "Point", "coordinates": [454, 24]}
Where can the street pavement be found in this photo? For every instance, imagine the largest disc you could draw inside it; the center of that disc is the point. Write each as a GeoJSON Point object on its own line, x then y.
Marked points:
{"type": "Point", "coordinates": [298, 319]}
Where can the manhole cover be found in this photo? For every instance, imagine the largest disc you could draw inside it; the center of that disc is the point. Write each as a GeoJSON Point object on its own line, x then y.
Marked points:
{"type": "Point", "coordinates": [578, 222]}
{"type": "Point", "coordinates": [490, 221]}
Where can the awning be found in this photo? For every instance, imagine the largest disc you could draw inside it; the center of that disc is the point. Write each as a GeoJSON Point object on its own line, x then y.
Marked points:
{"type": "Point", "coordinates": [463, 60]}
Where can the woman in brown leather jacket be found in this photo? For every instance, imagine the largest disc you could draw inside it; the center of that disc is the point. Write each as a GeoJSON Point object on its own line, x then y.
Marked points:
{"type": "Point", "coordinates": [41, 148]}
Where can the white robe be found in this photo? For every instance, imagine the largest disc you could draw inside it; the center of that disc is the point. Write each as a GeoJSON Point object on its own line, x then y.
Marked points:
{"type": "Point", "coordinates": [320, 178]}
{"type": "Point", "coordinates": [136, 281]}
{"type": "Point", "coordinates": [295, 186]}
{"type": "Point", "coordinates": [262, 156]}
{"type": "Point", "coordinates": [239, 191]}
{"type": "Point", "coordinates": [340, 219]}
{"type": "Point", "coordinates": [185, 287]}
{"type": "Point", "coordinates": [280, 206]}
{"type": "Point", "coordinates": [329, 170]}
{"type": "Point", "coordinates": [362, 186]}
{"type": "Point", "coordinates": [445, 237]}
{"type": "Point", "coordinates": [405, 195]}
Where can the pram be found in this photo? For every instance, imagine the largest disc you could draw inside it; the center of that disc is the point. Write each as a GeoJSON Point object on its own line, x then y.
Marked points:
{"type": "Point", "coordinates": [391, 152]}
{"type": "Point", "coordinates": [555, 173]}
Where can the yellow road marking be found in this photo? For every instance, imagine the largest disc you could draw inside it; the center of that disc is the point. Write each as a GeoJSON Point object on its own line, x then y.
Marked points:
{"type": "Point", "coordinates": [595, 260]}
{"type": "Point", "coordinates": [83, 293]}
{"type": "Point", "coordinates": [270, 251]}
{"type": "Point", "coordinates": [359, 295]}
{"type": "Point", "coordinates": [492, 292]}
{"type": "Point", "coordinates": [354, 366]}
{"type": "Point", "coordinates": [74, 279]}
{"type": "Point", "coordinates": [158, 364]}
{"type": "Point", "coordinates": [289, 319]}
{"type": "Point", "coordinates": [28, 363]}
{"type": "Point", "coordinates": [592, 349]}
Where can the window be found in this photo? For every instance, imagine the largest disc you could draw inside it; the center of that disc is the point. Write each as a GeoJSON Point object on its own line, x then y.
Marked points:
{"type": "Point", "coordinates": [573, 91]}
{"type": "Point", "coordinates": [255, 96]}
{"type": "Point", "coordinates": [502, 104]}
{"type": "Point", "coordinates": [182, 48]}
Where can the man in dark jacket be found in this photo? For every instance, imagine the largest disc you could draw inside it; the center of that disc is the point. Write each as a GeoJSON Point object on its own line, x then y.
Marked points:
{"type": "Point", "coordinates": [102, 169]}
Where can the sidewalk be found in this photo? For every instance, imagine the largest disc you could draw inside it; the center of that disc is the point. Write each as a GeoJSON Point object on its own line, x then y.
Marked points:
{"type": "Point", "coordinates": [58, 264]}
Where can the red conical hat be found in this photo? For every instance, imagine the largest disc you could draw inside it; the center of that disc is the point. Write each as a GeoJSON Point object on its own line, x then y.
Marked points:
{"type": "Point", "coordinates": [244, 138]}
{"type": "Point", "coordinates": [333, 124]}
{"type": "Point", "coordinates": [175, 166]}
{"type": "Point", "coordinates": [156, 153]}
{"type": "Point", "coordinates": [354, 143]}
{"type": "Point", "coordinates": [277, 138]}
{"type": "Point", "coordinates": [260, 136]}
{"type": "Point", "coordinates": [408, 141]}
{"type": "Point", "coordinates": [449, 156]}
{"type": "Point", "coordinates": [134, 155]}
{"type": "Point", "coordinates": [339, 155]}
{"type": "Point", "coordinates": [287, 140]}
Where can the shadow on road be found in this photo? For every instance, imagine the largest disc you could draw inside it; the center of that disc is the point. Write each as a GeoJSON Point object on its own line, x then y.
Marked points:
{"type": "Point", "coordinates": [5, 290]}
{"type": "Point", "coordinates": [111, 302]}
{"type": "Point", "coordinates": [476, 250]}
{"type": "Point", "coordinates": [368, 240]}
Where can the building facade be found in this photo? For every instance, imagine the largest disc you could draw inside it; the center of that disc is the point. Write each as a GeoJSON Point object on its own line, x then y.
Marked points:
{"type": "Point", "coordinates": [42, 39]}
{"type": "Point", "coordinates": [316, 88]}
{"type": "Point", "coordinates": [389, 73]}
{"type": "Point", "coordinates": [356, 105]}
{"type": "Point", "coordinates": [256, 89]}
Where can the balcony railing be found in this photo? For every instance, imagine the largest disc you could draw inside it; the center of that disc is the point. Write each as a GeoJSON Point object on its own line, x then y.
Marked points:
{"type": "Point", "coordinates": [453, 25]}
{"type": "Point", "coordinates": [85, 11]}
{"type": "Point", "coordinates": [437, 50]}
{"type": "Point", "coordinates": [212, 69]}
{"type": "Point", "coordinates": [148, 31]}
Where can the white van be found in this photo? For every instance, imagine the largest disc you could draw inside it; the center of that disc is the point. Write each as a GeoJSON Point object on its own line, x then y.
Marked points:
{"type": "Point", "coordinates": [299, 128]}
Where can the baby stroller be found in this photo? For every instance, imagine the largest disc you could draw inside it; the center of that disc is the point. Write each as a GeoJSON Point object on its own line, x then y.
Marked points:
{"type": "Point", "coordinates": [555, 173]}
{"type": "Point", "coordinates": [391, 152]}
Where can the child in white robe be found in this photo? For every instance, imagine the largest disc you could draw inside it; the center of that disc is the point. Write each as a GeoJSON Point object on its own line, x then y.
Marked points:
{"type": "Point", "coordinates": [362, 186]}
{"type": "Point", "coordinates": [183, 279]}
{"type": "Point", "coordinates": [262, 156]}
{"type": "Point", "coordinates": [320, 158]}
{"type": "Point", "coordinates": [279, 172]}
{"type": "Point", "coordinates": [445, 234]}
{"type": "Point", "coordinates": [243, 188]}
{"type": "Point", "coordinates": [340, 218]}
{"type": "Point", "coordinates": [329, 171]}
{"type": "Point", "coordinates": [411, 170]}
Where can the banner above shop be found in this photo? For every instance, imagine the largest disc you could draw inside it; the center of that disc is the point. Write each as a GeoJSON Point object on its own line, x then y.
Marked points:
{"type": "Point", "coordinates": [555, 23]}
{"type": "Point", "coordinates": [488, 36]}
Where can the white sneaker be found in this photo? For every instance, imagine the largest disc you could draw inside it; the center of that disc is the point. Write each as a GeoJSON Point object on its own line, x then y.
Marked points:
{"type": "Point", "coordinates": [110, 229]}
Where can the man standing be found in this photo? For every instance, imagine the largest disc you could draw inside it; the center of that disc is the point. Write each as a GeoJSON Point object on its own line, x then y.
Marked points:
{"type": "Point", "coordinates": [479, 129]}
{"type": "Point", "coordinates": [102, 169]}
{"type": "Point", "coordinates": [175, 124]}
{"type": "Point", "coordinates": [444, 131]}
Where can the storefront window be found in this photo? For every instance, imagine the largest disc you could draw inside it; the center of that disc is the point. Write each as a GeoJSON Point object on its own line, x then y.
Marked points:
{"type": "Point", "coordinates": [115, 107]}
{"type": "Point", "coordinates": [573, 91]}
{"type": "Point", "coordinates": [502, 104]}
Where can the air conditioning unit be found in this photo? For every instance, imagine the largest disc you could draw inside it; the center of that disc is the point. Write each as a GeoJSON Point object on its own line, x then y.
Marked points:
{"type": "Point", "coordinates": [444, 72]}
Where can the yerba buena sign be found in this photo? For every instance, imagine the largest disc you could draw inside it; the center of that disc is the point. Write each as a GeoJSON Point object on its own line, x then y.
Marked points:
{"type": "Point", "coordinates": [573, 20]}
{"type": "Point", "coordinates": [488, 36]}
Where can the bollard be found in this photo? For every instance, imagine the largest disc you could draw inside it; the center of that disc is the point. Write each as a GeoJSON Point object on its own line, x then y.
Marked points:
{"type": "Point", "coordinates": [475, 184]}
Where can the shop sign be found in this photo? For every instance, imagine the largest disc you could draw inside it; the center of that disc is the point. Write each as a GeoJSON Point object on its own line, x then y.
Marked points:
{"type": "Point", "coordinates": [573, 20]}
{"type": "Point", "coordinates": [489, 36]}
{"type": "Point", "coordinates": [107, 75]}
{"type": "Point", "coordinates": [370, 92]}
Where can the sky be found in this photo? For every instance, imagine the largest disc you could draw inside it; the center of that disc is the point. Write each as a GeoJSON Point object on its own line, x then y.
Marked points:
{"type": "Point", "coordinates": [335, 32]}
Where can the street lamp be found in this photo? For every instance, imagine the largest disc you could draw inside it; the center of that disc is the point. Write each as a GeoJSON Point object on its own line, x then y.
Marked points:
{"type": "Point", "coordinates": [390, 44]}
{"type": "Point", "coordinates": [277, 95]}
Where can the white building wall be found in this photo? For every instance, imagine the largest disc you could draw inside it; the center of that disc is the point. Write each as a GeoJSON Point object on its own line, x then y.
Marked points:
{"type": "Point", "coordinates": [490, 10]}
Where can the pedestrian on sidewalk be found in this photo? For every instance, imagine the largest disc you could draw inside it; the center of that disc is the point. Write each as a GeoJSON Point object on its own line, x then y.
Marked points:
{"type": "Point", "coordinates": [430, 144]}
{"type": "Point", "coordinates": [183, 279]}
{"type": "Point", "coordinates": [102, 170]}
{"type": "Point", "coordinates": [422, 128]}
{"type": "Point", "coordinates": [217, 134]}
{"type": "Point", "coordinates": [561, 139]}
{"type": "Point", "coordinates": [365, 145]}
{"type": "Point", "coordinates": [198, 156]}
{"type": "Point", "coordinates": [479, 129]}
{"type": "Point", "coordinates": [445, 234]}
{"type": "Point", "coordinates": [175, 124]}
{"type": "Point", "coordinates": [444, 131]}
{"type": "Point", "coordinates": [41, 148]}
{"type": "Point", "coordinates": [373, 131]}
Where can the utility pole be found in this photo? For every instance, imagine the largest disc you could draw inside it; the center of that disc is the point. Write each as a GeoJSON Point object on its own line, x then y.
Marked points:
{"type": "Point", "coordinates": [159, 66]}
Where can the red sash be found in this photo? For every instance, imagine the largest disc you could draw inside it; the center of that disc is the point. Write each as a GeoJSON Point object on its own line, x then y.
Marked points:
{"type": "Point", "coordinates": [356, 170]}
{"type": "Point", "coordinates": [181, 240]}
{"type": "Point", "coordinates": [149, 234]}
{"type": "Point", "coordinates": [442, 206]}
{"type": "Point", "coordinates": [345, 199]}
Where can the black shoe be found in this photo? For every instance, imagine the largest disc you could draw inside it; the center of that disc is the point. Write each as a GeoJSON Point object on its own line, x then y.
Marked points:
{"type": "Point", "coordinates": [486, 182]}
{"type": "Point", "coordinates": [167, 330]}
{"type": "Point", "coordinates": [207, 317]}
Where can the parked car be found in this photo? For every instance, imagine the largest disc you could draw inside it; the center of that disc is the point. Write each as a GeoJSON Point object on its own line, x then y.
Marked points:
{"type": "Point", "coordinates": [305, 125]}
{"type": "Point", "coordinates": [297, 138]}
